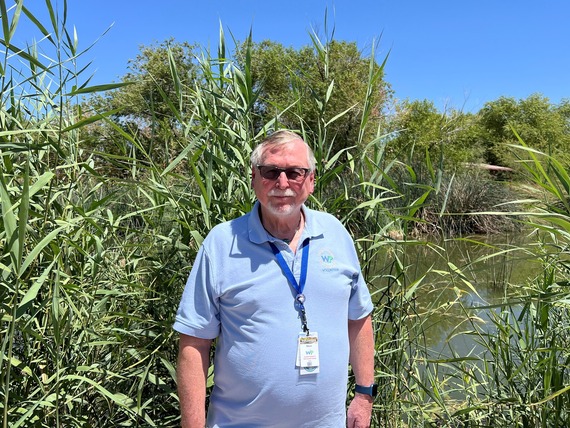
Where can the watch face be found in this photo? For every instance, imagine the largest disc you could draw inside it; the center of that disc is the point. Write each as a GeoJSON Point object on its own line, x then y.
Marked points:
{"type": "Point", "coordinates": [374, 390]}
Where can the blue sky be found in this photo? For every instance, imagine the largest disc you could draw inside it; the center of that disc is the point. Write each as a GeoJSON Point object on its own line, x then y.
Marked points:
{"type": "Point", "coordinates": [457, 54]}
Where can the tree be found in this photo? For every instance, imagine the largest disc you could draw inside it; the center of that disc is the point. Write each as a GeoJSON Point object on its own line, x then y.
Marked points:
{"type": "Point", "coordinates": [150, 106]}
{"type": "Point", "coordinates": [541, 125]}
{"type": "Point", "coordinates": [152, 75]}
{"type": "Point", "coordinates": [418, 127]}
{"type": "Point", "coordinates": [311, 86]}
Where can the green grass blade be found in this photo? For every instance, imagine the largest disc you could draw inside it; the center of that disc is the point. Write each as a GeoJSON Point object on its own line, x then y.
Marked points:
{"type": "Point", "coordinates": [53, 18]}
{"type": "Point", "coordinates": [90, 119]}
{"type": "Point", "coordinates": [46, 240]}
{"type": "Point", "coordinates": [32, 292]}
{"type": "Point", "coordinates": [38, 24]}
{"type": "Point", "coordinates": [16, 18]}
{"type": "Point", "coordinates": [97, 88]}
{"type": "Point", "coordinates": [23, 54]}
{"type": "Point", "coordinates": [23, 212]}
{"type": "Point", "coordinates": [10, 222]}
{"type": "Point", "coordinates": [5, 22]}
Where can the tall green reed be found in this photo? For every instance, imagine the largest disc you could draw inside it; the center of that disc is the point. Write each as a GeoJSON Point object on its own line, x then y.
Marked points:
{"type": "Point", "coordinates": [60, 346]}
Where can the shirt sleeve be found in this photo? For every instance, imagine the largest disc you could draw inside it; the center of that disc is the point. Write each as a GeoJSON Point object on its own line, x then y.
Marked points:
{"type": "Point", "coordinates": [198, 312]}
{"type": "Point", "coordinates": [360, 304]}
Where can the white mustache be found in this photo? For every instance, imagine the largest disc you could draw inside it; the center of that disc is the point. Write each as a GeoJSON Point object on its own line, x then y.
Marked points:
{"type": "Point", "coordinates": [286, 192]}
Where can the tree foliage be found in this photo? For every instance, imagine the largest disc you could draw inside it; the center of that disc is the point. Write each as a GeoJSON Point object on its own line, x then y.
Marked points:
{"type": "Point", "coordinates": [322, 82]}
{"type": "Point", "coordinates": [153, 82]}
{"type": "Point", "coordinates": [149, 106]}
{"type": "Point", "coordinates": [319, 89]}
{"type": "Point", "coordinates": [541, 124]}
{"type": "Point", "coordinates": [418, 127]}
{"type": "Point", "coordinates": [486, 136]}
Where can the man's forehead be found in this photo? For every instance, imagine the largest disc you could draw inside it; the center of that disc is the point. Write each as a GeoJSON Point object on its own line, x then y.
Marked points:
{"type": "Point", "coordinates": [295, 146]}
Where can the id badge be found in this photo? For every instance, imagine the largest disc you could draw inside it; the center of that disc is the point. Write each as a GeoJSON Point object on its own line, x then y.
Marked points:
{"type": "Point", "coordinates": [308, 353]}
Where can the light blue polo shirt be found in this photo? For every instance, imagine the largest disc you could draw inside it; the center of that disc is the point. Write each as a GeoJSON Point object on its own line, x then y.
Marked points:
{"type": "Point", "coordinates": [237, 292]}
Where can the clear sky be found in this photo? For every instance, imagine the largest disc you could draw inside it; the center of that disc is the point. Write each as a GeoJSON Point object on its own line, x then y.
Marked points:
{"type": "Point", "coordinates": [456, 53]}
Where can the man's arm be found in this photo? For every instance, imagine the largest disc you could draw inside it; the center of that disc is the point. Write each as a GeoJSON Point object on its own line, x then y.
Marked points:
{"type": "Point", "coordinates": [191, 373]}
{"type": "Point", "coordinates": [361, 337]}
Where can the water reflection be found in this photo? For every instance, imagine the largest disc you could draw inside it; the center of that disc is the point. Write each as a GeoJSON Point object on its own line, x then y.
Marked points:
{"type": "Point", "coordinates": [463, 281]}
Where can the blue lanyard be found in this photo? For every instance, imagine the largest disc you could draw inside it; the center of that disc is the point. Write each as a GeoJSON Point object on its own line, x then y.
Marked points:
{"type": "Point", "coordinates": [300, 286]}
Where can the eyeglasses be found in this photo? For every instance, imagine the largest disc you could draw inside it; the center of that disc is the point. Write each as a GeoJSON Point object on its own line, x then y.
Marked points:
{"type": "Point", "coordinates": [296, 174]}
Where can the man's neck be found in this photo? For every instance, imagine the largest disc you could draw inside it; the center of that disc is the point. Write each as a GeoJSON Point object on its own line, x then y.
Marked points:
{"type": "Point", "coordinates": [286, 227]}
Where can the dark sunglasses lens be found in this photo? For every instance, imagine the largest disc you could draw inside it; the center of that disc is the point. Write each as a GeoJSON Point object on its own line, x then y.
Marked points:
{"type": "Point", "coordinates": [294, 174]}
{"type": "Point", "coordinates": [269, 173]}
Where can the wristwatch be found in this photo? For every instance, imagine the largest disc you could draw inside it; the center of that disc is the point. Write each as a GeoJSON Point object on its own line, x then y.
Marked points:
{"type": "Point", "coordinates": [371, 390]}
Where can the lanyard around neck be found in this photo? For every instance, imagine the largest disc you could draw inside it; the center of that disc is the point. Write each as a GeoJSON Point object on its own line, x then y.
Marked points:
{"type": "Point", "coordinates": [297, 286]}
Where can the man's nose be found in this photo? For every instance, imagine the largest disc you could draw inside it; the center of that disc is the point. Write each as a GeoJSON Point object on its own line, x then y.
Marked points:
{"type": "Point", "coordinates": [282, 180]}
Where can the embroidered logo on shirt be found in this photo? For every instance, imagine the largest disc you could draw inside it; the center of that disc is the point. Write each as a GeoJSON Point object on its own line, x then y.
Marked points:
{"type": "Point", "coordinates": [328, 262]}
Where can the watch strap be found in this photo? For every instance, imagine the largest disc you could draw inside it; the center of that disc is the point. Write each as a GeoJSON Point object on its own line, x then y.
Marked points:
{"type": "Point", "coordinates": [369, 390]}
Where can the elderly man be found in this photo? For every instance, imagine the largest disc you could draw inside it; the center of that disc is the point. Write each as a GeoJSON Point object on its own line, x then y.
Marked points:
{"type": "Point", "coordinates": [281, 290]}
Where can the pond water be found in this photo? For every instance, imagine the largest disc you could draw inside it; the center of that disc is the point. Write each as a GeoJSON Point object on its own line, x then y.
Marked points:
{"type": "Point", "coordinates": [492, 270]}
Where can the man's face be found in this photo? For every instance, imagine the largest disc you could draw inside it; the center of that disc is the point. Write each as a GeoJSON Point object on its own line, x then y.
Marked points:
{"type": "Point", "coordinates": [282, 197]}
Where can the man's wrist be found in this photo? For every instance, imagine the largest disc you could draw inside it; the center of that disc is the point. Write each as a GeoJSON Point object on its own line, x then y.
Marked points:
{"type": "Point", "coordinates": [370, 390]}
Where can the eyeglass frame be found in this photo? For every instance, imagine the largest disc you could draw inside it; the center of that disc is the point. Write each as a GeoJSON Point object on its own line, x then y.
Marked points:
{"type": "Point", "coordinates": [306, 172]}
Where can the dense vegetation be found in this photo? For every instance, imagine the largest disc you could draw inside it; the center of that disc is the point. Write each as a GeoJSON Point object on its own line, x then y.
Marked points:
{"type": "Point", "coordinates": [107, 192]}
